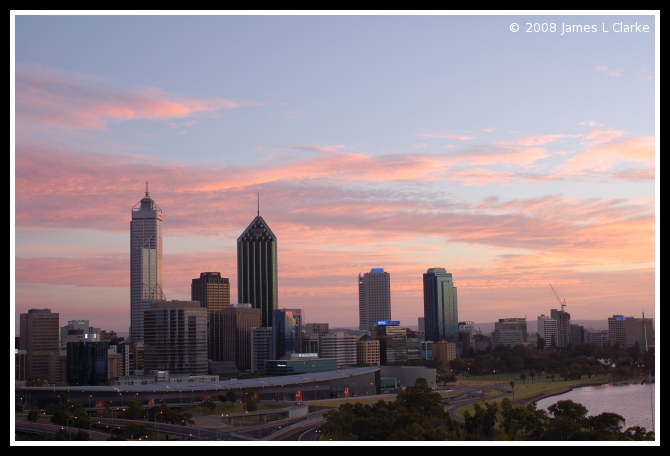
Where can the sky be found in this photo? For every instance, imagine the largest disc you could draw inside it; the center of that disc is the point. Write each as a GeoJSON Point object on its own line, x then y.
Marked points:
{"type": "Point", "coordinates": [518, 161]}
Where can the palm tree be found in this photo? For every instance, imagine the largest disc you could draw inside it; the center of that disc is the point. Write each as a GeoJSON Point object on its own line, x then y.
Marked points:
{"type": "Point", "coordinates": [512, 385]}
{"type": "Point", "coordinates": [532, 376]}
{"type": "Point", "coordinates": [523, 378]}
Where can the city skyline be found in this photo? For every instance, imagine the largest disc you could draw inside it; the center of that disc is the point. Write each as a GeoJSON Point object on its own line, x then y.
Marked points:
{"type": "Point", "coordinates": [512, 160]}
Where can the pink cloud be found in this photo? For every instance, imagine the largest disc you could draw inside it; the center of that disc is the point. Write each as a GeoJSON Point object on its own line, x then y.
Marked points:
{"type": "Point", "coordinates": [536, 140]}
{"type": "Point", "coordinates": [431, 134]}
{"type": "Point", "coordinates": [602, 68]}
{"type": "Point", "coordinates": [606, 155]}
{"type": "Point", "coordinates": [49, 97]}
{"type": "Point", "coordinates": [319, 148]}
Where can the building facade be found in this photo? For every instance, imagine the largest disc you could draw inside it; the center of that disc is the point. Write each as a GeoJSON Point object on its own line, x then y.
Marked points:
{"type": "Point", "coordinates": [547, 329]}
{"type": "Point", "coordinates": [516, 324]}
{"type": "Point", "coordinates": [146, 261]}
{"type": "Point", "coordinates": [339, 346]}
{"type": "Point", "coordinates": [392, 342]}
{"type": "Point", "coordinates": [374, 298]}
{"type": "Point", "coordinates": [562, 327]}
{"type": "Point", "coordinates": [627, 330]}
{"type": "Point", "coordinates": [39, 337]}
{"type": "Point", "coordinates": [261, 344]}
{"type": "Point", "coordinates": [440, 306]}
{"type": "Point", "coordinates": [367, 351]}
{"type": "Point", "coordinates": [213, 293]}
{"type": "Point", "coordinates": [175, 337]}
{"type": "Point", "coordinates": [511, 337]}
{"type": "Point", "coordinates": [236, 323]}
{"type": "Point", "coordinates": [86, 363]}
{"type": "Point", "coordinates": [444, 352]}
{"type": "Point", "coordinates": [286, 332]}
{"type": "Point", "coordinates": [257, 268]}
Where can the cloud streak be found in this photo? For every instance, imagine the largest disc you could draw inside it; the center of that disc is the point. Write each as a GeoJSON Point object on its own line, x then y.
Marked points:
{"type": "Point", "coordinates": [47, 97]}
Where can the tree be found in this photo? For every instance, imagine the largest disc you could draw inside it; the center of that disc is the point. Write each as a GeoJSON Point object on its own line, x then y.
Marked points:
{"type": "Point", "coordinates": [422, 399]}
{"type": "Point", "coordinates": [250, 401]}
{"type": "Point", "coordinates": [512, 385]}
{"type": "Point", "coordinates": [608, 423]}
{"type": "Point", "coordinates": [208, 403]}
{"type": "Point", "coordinates": [569, 409]}
{"type": "Point", "coordinates": [18, 407]}
{"type": "Point", "coordinates": [483, 421]}
{"type": "Point", "coordinates": [231, 396]}
{"type": "Point", "coordinates": [523, 378]}
{"type": "Point", "coordinates": [135, 430]}
{"type": "Point", "coordinates": [540, 344]}
{"type": "Point", "coordinates": [521, 422]}
{"type": "Point", "coordinates": [33, 415]}
{"type": "Point", "coordinates": [135, 409]}
{"type": "Point", "coordinates": [532, 376]}
{"type": "Point", "coordinates": [36, 381]}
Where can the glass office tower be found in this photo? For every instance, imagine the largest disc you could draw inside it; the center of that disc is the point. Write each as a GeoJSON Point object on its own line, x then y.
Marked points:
{"type": "Point", "coordinates": [440, 306]}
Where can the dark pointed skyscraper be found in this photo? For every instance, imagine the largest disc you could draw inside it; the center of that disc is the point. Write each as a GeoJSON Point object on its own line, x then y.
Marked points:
{"type": "Point", "coordinates": [257, 268]}
{"type": "Point", "coordinates": [146, 262]}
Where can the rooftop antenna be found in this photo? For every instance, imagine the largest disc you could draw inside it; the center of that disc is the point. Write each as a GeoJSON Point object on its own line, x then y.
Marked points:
{"type": "Point", "coordinates": [147, 194]}
{"type": "Point", "coordinates": [258, 195]}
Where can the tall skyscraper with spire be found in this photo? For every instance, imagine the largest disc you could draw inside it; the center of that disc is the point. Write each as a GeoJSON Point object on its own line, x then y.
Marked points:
{"type": "Point", "coordinates": [146, 261]}
{"type": "Point", "coordinates": [257, 268]}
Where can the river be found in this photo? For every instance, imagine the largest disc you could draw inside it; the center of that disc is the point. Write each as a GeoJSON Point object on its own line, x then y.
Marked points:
{"type": "Point", "coordinates": [632, 401]}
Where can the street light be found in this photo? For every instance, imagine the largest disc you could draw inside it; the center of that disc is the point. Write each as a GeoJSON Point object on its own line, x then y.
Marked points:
{"type": "Point", "coordinates": [68, 427]}
{"type": "Point", "coordinates": [156, 424]}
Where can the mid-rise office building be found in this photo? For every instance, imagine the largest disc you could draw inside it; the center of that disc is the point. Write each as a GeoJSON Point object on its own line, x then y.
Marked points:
{"type": "Point", "coordinates": [516, 324]}
{"type": "Point", "coordinates": [80, 325]}
{"type": "Point", "coordinates": [440, 306]}
{"type": "Point", "coordinates": [339, 346]}
{"type": "Point", "coordinates": [367, 351]}
{"type": "Point", "coordinates": [213, 293]}
{"type": "Point", "coordinates": [511, 337]}
{"type": "Point", "coordinates": [316, 328]}
{"type": "Point", "coordinates": [444, 352]}
{"type": "Point", "coordinates": [627, 330]}
{"type": "Point", "coordinates": [427, 350]}
{"type": "Point", "coordinates": [257, 268]}
{"type": "Point", "coordinates": [577, 336]}
{"type": "Point", "coordinates": [286, 332]}
{"type": "Point", "coordinates": [310, 342]}
{"type": "Point", "coordinates": [39, 337]}
{"type": "Point", "coordinates": [261, 346]}
{"type": "Point", "coordinates": [175, 337]}
{"type": "Point", "coordinates": [299, 363]}
{"type": "Point", "coordinates": [466, 336]}
{"type": "Point", "coordinates": [237, 321]}
{"type": "Point", "coordinates": [374, 298]}
{"type": "Point", "coordinates": [599, 337]}
{"type": "Point", "coordinates": [86, 363]}
{"type": "Point", "coordinates": [422, 324]}
{"type": "Point", "coordinates": [392, 342]}
{"type": "Point", "coordinates": [146, 261]}
{"type": "Point", "coordinates": [58, 367]}
{"type": "Point", "coordinates": [562, 327]}
{"type": "Point", "coordinates": [20, 365]}
{"type": "Point", "coordinates": [547, 329]}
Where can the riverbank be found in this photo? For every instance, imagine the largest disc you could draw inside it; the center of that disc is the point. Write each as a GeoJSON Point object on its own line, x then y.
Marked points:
{"type": "Point", "coordinates": [529, 400]}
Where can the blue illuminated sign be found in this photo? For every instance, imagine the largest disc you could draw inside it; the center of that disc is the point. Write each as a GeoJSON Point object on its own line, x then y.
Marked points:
{"type": "Point", "coordinates": [620, 318]}
{"type": "Point", "coordinates": [377, 269]}
{"type": "Point", "coordinates": [388, 322]}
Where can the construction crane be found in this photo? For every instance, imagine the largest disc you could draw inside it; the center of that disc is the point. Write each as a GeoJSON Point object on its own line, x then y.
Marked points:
{"type": "Point", "coordinates": [559, 299]}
